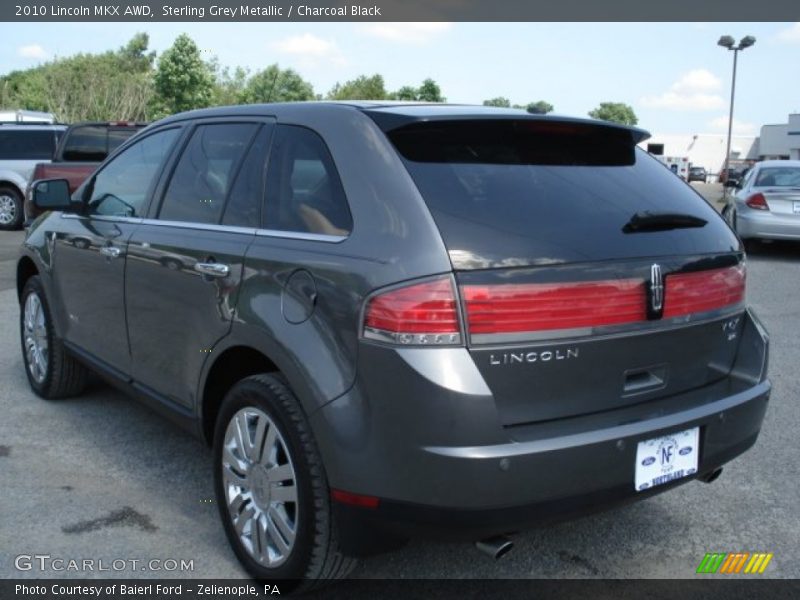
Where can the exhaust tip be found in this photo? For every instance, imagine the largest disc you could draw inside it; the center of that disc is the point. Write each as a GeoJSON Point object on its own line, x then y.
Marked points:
{"type": "Point", "coordinates": [495, 546]}
{"type": "Point", "coordinates": [711, 477]}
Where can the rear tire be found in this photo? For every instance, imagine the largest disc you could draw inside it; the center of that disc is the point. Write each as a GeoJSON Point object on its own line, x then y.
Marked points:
{"type": "Point", "coordinates": [271, 487]}
{"type": "Point", "coordinates": [52, 372]}
{"type": "Point", "coordinates": [10, 208]}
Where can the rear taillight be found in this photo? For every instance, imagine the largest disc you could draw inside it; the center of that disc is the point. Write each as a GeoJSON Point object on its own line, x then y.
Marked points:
{"type": "Point", "coordinates": [513, 308]}
{"type": "Point", "coordinates": [757, 201]}
{"type": "Point", "coordinates": [704, 291]}
{"type": "Point", "coordinates": [421, 314]}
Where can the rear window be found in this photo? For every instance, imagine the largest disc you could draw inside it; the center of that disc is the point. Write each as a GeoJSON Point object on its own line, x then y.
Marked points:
{"type": "Point", "coordinates": [506, 193]}
{"type": "Point", "coordinates": [93, 143]}
{"type": "Point", "coordinates": [778, 177]}
{"type": "Point", "coordinates": [21, 144]}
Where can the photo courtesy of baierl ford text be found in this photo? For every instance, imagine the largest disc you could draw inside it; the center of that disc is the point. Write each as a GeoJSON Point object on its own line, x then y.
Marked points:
{"type": "Point", "coordinates": [399, 299]}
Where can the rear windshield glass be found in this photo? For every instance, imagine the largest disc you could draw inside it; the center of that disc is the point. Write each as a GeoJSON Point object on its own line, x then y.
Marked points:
{"type": "Point", "coordinates": [528, 192]}
{"type": "Point", "coordinates": [778, 177]}
{"type": "Point", "coordinates": [92, 143]}
{"type": "Point", "coordinates": [22, 144]}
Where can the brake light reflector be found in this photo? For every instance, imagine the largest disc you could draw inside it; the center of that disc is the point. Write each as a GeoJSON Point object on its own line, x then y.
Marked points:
{"type": "Point", "coordinates": [512, 308]}
{"type": "Point", "coordinates": [421, 313]}
{"type": "Point", "coordinates": [757, 201]}
{"type": "Point", "coordinates": [688, 293]}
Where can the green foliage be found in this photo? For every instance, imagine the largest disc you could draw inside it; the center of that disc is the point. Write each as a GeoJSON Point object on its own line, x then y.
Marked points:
{"type": "Point", "coordinates": [182, 80]}
{"type": "Point", "coordinates": [539, 108]}
{"type": "Point", "coordinates": [430, 91]}
{"type": "Point", "coordinates": [499, 101]}
{"type": "Point", "coordinates": [360, 88]}
{"type": "Point", "coordinates": [406, 92]}
{"type": "Point", "coordinates": [616, 112]}
{"type": "Point", "coordinates": [111, 85]}
{"type": "Point", "coordinates": [276, 85]}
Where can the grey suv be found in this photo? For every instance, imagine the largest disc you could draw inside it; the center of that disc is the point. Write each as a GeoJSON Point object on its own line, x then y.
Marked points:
{"type": "Point", "coordinates": [22, 147]}
{"type": "Point", "coordinates": [401, 320]}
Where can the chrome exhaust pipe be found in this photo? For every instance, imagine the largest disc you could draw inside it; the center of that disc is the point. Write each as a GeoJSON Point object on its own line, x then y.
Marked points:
{"type": "Point", "coordinates": [711, 477]}
{"type": "Point", "coordinates": [495, 546]}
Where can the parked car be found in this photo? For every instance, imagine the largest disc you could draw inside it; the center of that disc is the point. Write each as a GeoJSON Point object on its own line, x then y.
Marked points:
{"type": "Point", "coordinates": [730, 177]}
{"type": "Point", "coordinates": [698, 174]}
{"type": "Point", "coordinates": [401, 320]}
{"type": "Point", "coordinates": [82, 148]}
{"type": "Point", "coordinates": [767, 202]}
{"type": "Point", "coordinates": [22, 146]}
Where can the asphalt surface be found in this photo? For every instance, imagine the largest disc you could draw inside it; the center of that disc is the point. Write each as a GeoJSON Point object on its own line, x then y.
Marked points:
{"type": "Point", "coordinates": [101, 477]}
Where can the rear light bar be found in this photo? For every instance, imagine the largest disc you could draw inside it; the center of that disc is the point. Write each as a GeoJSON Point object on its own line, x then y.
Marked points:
{"type": "Point", "coordinates": [513, 308]}
{"type": "Point", "coordinates": [757, 201]}
{"type": "Point", "coordinates": [703, 291]}
{"type": "Point", "coordinates": [420, 314]}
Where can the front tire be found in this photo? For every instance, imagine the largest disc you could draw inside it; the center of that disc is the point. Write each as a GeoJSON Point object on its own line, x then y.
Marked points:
{"type": "Point", "coordinates": [271, 488]}
{"type": "Point", "coordinates": [52, 372]}
{"type": "Point", "coordinates": [10, 208]}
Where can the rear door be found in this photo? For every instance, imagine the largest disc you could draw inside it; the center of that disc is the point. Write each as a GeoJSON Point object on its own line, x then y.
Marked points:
{"type": "Point", "coordinates": [590, 277]}
{"type": "Point", "coordinates": [185, 265]}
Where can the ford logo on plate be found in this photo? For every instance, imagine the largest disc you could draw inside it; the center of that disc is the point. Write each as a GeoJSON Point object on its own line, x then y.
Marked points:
{"type": "Point", "coordinates": [685, 450]}
{"type": "Point", "coordinates": [648, 461]}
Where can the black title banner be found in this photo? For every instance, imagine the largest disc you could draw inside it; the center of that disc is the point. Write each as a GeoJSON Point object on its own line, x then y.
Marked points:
{"type": "Point", "coordinates": [401, 10]}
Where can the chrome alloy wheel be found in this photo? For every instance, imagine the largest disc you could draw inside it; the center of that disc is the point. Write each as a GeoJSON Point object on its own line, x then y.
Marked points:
{"type": "Point", "coordinates": [35, 332]}
{"type": "Point", "coordinates": [8, 209]}
{"type": "Point", "coordinates": [260, 487]}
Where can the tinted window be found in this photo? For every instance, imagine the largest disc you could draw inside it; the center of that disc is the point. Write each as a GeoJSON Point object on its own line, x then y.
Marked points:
{"type": "Point", "coordinates": [122, 186]}
{"type": "Point", "coordinates": [515, 193]}
{"type": "Point", "coordinates": [243, 208]}
{"type": "Point", "coordinates": [204, 172]}
{"type": "Point", "coordinates": [304, 192]}
{"type": "Point", "coordinates": [89, 143]}
{"type": "Point", "coordinates": [32, 144]}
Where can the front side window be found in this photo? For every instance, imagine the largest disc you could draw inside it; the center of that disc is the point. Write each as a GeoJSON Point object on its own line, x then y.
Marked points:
{"type": "Point", "coordinates": [304, 192]}
{"type": "Point", "coordinates": [204, 174]}
{"type": "Point", "coordinates": [122, 186]}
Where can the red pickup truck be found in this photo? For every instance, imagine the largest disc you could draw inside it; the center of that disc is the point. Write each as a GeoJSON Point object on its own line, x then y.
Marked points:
{"type": "Point", "coordinates": [81, 149]}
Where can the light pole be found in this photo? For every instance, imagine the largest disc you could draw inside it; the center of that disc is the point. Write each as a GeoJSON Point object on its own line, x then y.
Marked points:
{"type": "Point", "coordinates": [728, 42]}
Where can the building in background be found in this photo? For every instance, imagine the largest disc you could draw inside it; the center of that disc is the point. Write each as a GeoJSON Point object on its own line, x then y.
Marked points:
{"type": "Point", "coordinates": [780, 141]}
{"type": "Point", "coordinates": [705, 150]}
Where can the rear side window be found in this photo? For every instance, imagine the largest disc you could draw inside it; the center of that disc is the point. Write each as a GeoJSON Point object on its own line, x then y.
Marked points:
{"type": "Point", "coordinates": [304, 192]}
{"type": "Point", "coordinates": [205, 171]}
{"type": "Point", "coordinates": [508, 192]}
{"type": "Point", "coordinates": [32, 144]}
{"type": "Point", "coordinates": [92, 143]}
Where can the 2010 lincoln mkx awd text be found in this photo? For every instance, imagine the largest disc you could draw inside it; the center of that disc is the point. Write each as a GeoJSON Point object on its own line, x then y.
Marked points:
{"type": "Point", "coordinates": [397, 320]}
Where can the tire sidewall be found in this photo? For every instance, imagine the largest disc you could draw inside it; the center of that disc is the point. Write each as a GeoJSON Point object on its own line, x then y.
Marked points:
{"type": "Point", "coordinates": [249, 393]}
{"type": "Point", "coordinates": [18, 216]}
{"type": "Point", "coordinates": [34, 286]}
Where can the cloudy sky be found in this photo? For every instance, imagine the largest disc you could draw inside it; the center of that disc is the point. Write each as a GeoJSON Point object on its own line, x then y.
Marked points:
{"type": "Point", "coordinates": [673, 74]}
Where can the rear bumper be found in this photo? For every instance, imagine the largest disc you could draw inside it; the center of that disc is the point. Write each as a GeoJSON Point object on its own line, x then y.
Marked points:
{"type": "Point", "coordinates": [443, 466]}
{"type": "Point", "coordinates": [767, 225]}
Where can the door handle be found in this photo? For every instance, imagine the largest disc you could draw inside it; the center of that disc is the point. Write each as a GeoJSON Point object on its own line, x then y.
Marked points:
{"type": "Point", "coordinates": [110, 251]}
{"type": "Point", "coordinates": [213, 269]}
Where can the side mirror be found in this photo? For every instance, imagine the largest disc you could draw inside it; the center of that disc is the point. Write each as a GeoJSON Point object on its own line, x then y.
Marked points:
{"type": "Point", "coordinates": [51, 194]}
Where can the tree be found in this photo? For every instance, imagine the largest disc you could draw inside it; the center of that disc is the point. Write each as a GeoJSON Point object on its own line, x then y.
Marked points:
{"type": "Point", "coordinates": [616, 112]}
{"type": "Point", "coordinates": [406, 92]}
{"type": "Point", "coordinates": [539, 108]}
{"type": "Point", "coordinates": [499, 101]}
{"type": "Point", "coordinates": [361, 88]}
{"type": "Point", "coordinates": [430, 91]}
{"type": "Point", "coordinates": [183, 81]}
{"type": "Point", "coordinates": [229, 87]}
{"type": "Point", "coordinates": [276, 85]}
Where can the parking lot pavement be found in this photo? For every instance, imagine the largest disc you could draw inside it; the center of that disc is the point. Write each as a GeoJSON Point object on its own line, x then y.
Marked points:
{"type": "Point", "coordinates": [100, 477]}
{"type": "Point", "coordinates": [9, 244]}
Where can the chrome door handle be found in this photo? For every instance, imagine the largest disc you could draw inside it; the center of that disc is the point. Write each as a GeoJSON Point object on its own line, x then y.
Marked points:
{"type": "Point", "coordinates": [110, 251]}
{"type": "Point", "coordinates": [212, 269]}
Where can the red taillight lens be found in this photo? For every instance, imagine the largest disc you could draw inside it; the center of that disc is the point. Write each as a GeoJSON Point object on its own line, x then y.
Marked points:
{"type": "Point", "coordinates": [511, 308]}
{"type": "Point", "coordinates": [757, 201]}
{"type": "Point", "coordinates": [422, 313]}
{"type": "Point", "coordinates": [688, 293]}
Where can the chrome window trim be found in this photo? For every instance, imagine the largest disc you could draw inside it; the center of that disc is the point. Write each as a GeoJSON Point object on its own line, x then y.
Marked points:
{"type": "Point", "coordinates": [273, 233]}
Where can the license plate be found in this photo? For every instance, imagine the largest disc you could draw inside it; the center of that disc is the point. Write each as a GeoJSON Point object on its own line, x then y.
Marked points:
{"type": "Point", "coordinates": [796, 207]}
{"type": "Point", "coordinates": [664, 459]}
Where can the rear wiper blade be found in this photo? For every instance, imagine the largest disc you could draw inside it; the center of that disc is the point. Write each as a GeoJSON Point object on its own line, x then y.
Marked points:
{"type": "Point", "coordinates": [647, 221]}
